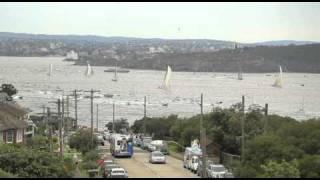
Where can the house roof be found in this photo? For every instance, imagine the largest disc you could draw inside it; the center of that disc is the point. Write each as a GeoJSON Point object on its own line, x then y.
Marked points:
{"type": "Point", "coordinates": [6, 123]}
{"type": "Point", "coordinates": [9, 116]}
{"type": "Point", "coordinates": [12, 109]}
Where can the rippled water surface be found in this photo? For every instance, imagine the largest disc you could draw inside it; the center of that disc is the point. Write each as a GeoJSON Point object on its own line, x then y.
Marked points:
{"type": "Point", "coordinates": [29, 76]}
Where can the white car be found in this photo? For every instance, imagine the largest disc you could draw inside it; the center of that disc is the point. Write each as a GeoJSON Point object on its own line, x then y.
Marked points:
{"type": "Point", "coordinates": [118, 173]}
{"type": "Point", "coordinates": [216, 171]}
{"type": "Point", "coordinates": [157, 157]}
{"type": "Point", "coordinates": [152, 147]}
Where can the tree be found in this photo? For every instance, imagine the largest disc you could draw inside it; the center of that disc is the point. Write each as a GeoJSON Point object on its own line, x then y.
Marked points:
{"type": "Point", "coordinates": [38, 142]}
{"type": "Point", "coordinates": [25, 162]}
{"type": "Point", "coordinates": [120, 125]}
{"type": "Point", "coordinates": [309, 166]}
{"type": "Point", "coordinates": [9, 89]}
{"type": "Point", "coordinates": [273, 169]}
{"type": "Point", "coordinates": [81, 141]}
{"type": "Point", "coordinates": [4, 174]}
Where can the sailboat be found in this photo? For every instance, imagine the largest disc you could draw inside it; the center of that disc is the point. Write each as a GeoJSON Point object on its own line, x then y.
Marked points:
{"type": "Point", "coordinates": [167, 77]}
{"type": "Point", "coordinates": [50, 70]}
{"type": "Point", "coordinates": [278, 82]}
{"type": "Point", "coordinates": [115, 78]}
{"type": "Point", "coordinates": [89, 71]}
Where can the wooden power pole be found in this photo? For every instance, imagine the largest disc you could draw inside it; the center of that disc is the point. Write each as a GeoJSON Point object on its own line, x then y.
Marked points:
{"type": "Point", "coordinates": [75, 109]}
{"type": "Point", "coordinates": [203, 141]}
{"type": "Point", "coordinates": [113, 113]}
{"type": "Point", "coordinates": [242, 127]}
{"type": "Point", "coordinates": [97, 117]}
{"type": "Point", "coordinates": [60, 126]}
{"type": "Point", "coordinates": [92, 91]}
{"type": "Point", "coordinates": [145, 115]}
{"type": "Point", "coordinates": [265, 118]}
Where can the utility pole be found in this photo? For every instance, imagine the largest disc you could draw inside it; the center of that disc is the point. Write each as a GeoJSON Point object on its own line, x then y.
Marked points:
{"type": "Point", "coordinates": [113, 112]}
{"type": "Point", "coordinates": [62, 115]}
{"type": "Point", "coordinates": [97, 117]}
{"type": "Point", "coordinates": [60, 126]}
{"type": "Point", "coordinates": [91, 116]}
{"type": "Point", "coordinates": [92, 91]}
{"type": "Point", "coordinates": [203, 141]}
{"type": "Point", "coordinates": [145, 115]}
{"type": "Point", "coordinates": [265, 118]}
{"type": "Point", "coordinates": [76, 109]}
{"type": "Point", "coordinates": [242, 127]}
{"type": "Point", "coordinates": [67, 118]}
{"type": "Point", "coordinates": [48, 127]}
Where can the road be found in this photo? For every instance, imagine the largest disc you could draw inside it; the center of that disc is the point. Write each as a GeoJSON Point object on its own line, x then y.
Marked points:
{"type": "Point", "coordinates": [138, 166]}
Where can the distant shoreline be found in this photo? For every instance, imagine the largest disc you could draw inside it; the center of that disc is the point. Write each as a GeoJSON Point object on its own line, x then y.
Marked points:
{"type": "Point", "coordinates": [64, 57]}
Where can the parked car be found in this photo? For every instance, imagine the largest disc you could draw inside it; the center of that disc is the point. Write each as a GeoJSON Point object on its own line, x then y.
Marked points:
{"type": "Point", "coordinates": [108, 168]}
{"type": "Point", "coordinates": [199, 167]}
{"type": "Point", "coordinates": [159, 145]}
{"type": "Point", "coordinates": [145, 142]}
{"type": "Point", "coordinates": [138, 142]}
{"type": "Point", "coordinates": [108, 161]}
{"type": "Point", "coordinates": [216, 171]}
{"type": "Point", "coordinates": [152, 147]}
{"type": "Point", "coordinates": [118, 173]}
{"type": "Point", "coordinates": [157, 157]}
{"type": "Point", "coordinates": [229, 175]}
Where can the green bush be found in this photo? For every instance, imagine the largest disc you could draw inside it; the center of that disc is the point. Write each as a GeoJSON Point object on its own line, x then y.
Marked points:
{"type": "Point", "coordinates": [25, 162]}
{"type": "Point", "coordinates": [273, 169]}
{"type": "Point", "coordinates": [4, 174]}
{"type": "Point", "coordinates": [81, 141]}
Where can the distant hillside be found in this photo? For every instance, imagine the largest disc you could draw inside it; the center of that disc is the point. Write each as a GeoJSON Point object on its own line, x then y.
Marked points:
{"type": "Point", "coordinates": [21, 44]}
{"type": "Point", "coordinates": [284, 43]}
{"type": "Point", "coordinates": [304, 58]}
{"type": "Point", "coordinates": [182, 55]}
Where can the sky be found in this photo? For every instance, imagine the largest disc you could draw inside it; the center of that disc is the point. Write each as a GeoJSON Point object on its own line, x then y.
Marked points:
{"type": "Point", "coordinates": [244, 22]}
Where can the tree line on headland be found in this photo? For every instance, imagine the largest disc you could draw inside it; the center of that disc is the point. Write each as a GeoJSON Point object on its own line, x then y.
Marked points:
{"type": "Point", "coordinates": [260, 59]}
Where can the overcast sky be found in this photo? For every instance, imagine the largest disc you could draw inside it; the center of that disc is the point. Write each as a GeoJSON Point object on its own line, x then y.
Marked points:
{"type": "Point", "coordinates": [242, 22]}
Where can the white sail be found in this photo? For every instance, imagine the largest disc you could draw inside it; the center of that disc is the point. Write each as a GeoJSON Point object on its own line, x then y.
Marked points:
{"type": "Point", "coordinates": [167, 77]}
{"type": "Point", "coordinates": [89, 71]}
{"type": "Point", "coordinates": [278, 82]}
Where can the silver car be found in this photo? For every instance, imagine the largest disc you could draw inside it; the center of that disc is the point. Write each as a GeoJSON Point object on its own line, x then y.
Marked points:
{"type": "Point", "coordinates": [216, 171]}
{"type": "Point", "coordinates": [157, 157]}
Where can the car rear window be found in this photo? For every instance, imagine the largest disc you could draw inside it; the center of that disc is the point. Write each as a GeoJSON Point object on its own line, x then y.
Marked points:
{"type": "Point", "coordinates": [117, 171]}
{"type": "Point", "coordinates": [157, 154]}
{"type": "Point", "coordinates": [219, 169]}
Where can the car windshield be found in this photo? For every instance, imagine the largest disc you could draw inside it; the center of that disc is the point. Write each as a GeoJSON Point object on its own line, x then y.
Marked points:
{"type": "Point", "coordinates": [118, 171]}
{"type": "Point", "coordinates": [219, 169]}
{"type": "Point", "coordinates": [111, 165]}
{"type": "Point", "coordinates": [157, 154]}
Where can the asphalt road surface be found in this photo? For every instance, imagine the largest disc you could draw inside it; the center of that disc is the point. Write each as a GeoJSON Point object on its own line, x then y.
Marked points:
{"type": "Point", "coordinates": [138, 166]}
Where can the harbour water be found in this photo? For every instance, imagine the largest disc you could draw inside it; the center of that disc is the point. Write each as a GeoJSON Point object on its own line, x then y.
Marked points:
{"type": "Point", "coordinates": [30, 76]}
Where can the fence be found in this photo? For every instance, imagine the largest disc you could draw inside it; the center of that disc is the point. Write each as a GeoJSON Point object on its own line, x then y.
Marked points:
{"type": "Point", "coordinates": [228, 159]}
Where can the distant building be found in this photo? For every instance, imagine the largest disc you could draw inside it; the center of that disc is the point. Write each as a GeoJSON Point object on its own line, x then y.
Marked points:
{"type": "Point", "coordinates": [15, 125]}
{"type": "Point", "coordinates": [72, 55]}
